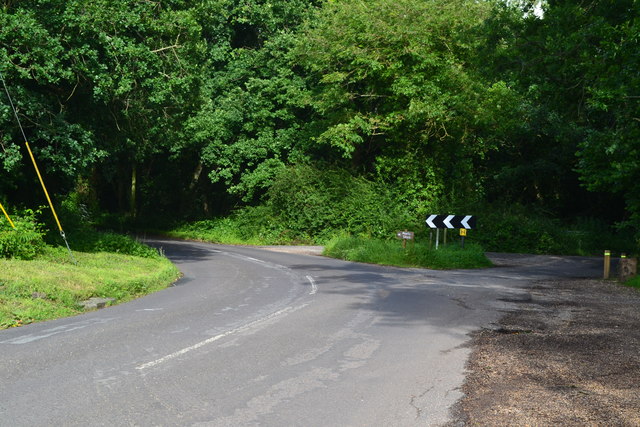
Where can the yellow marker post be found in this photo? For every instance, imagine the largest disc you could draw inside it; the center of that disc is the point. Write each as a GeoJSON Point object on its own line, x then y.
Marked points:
{"type": "Point", "coordinates": [607, 264]}
{"type": "Point", "coordinates": [53, 210]}
{"type": "Point", "coordinates": [7, 215]}
{"type": "Point", "coordinates": [46, 193]}
{"type": "Point", "coordinates": [463, 234]}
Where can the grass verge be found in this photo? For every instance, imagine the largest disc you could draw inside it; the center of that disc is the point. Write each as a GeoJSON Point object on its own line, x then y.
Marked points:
{"type": "Point", "coordinates": [50, 286]}
{"type": "Point", "coordinates": [386, 252]}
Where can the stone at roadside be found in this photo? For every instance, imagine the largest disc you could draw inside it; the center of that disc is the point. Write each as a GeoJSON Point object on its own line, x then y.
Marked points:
{"type": "Point", "coordinates": [95, 303]}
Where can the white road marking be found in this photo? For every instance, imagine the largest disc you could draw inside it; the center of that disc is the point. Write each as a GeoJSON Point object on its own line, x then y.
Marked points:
{"type": "Point", "coordinates": [25, 339]}
{"type": "Point", "coordinates": [314, 287]}
{"type": "Point", "coordinates": [243, 328]}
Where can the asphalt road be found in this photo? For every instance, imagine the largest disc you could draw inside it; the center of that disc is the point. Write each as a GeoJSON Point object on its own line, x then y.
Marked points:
{"type": "Point", "coordinates": [254, 336]}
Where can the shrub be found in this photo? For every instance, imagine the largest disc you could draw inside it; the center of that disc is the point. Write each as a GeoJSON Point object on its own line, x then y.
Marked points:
{"type": "Point", "coordinates": [521, 229]}
{"type": "Point", "coordinates": [23, 242]}
{"type": "Point", "coordinates": [319, 203]}
{"type": "Point", "coordinates": [634, 282]}
{"type": "Point", "coordinates": [101, 241]}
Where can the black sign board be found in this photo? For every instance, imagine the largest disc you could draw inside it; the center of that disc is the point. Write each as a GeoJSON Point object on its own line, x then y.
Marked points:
{"type": "Point", "coordinates": [466, 222]}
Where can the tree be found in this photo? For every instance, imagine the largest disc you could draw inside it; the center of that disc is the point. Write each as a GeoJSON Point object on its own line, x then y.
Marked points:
{"type": "Point", "coordinates": [40, 81]}
{"type": "Point", "coordinates": [253, 123]}
{"type": "Point", "coordinates": [576, 69]}
{"type": "Point", "coordinates": [109, 80]}
{"type": "Point", "coordinates": [396, 94]}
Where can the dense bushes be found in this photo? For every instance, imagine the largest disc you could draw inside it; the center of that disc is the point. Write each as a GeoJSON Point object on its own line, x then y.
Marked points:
{"type": "Point", "coordinates": [309, 205]}
{"type": "Point", "coordinates": [518, 229]}
{"type": "Point", "coordinates": [34, 230]}
{"type": "Point", "coordinates": [319, 202]}
{"type": "Point", "coordinates": [79, 215]}
{"type": "Point", "coordinates": [23, 242]}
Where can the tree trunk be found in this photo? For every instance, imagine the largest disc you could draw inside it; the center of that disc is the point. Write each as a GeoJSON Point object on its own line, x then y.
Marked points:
{"type": "Point", "coordinates": [133, 199]}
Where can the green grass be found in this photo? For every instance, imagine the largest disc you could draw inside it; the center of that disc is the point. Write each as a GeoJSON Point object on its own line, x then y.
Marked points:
{"type": "Point", "coordinates": [633, 282]}
{"type": "Point", "coordinates": [51, 286]}
{"type": "Point", "coordinates": [387, 252]}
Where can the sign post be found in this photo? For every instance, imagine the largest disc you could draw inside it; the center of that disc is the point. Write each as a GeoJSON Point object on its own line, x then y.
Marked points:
{"type": "Point", "coordinates": [405, 235]}
{"type": "Point", "coordinates": [463, 234]}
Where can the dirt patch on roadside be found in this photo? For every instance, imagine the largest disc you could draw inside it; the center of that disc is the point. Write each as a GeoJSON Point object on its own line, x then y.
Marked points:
{"type": "Point", "coordinates": [304, 250]}
{"type": "Point", "coordinates": [569, 355]}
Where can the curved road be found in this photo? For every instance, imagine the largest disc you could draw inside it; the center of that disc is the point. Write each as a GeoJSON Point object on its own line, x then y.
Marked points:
{"type": "Point", "coordinates": [253, 336]}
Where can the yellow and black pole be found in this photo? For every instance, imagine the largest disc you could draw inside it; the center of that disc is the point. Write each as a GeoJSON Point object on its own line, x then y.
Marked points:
{"type": "Point", "coordinates": [35, 165]}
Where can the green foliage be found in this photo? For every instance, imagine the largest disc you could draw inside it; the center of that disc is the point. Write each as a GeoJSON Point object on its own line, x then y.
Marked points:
{"type": "Point", "coordinates": [576, 69]}
{"type": "Point", "coordinates": [519, 229]}
{"type": "Point", "coordinates": [307, 205]}
{"type": "Point", "coordinates": [252, 125]}
{"type": "Point", "coordinates": [106, 80]}
{"type": "Point", "coordinates": [376, 251]}
{"type": "Point", "coordinates": [94, 241]}
{"type": "Point", "coordinates": [394, 92]}
{"type": "Point", "coordinates": [78, 215]}
{"type": "Point", "coordinates": [633, 282]}
{"type": "Point", "coordinates": [25, 241]}
{"type": "Point", "coordinates": [320, 202]}
{"type": "Point", "coordinates": [176, 110]}
{"type": "Point", "coordinates": [250, 225]}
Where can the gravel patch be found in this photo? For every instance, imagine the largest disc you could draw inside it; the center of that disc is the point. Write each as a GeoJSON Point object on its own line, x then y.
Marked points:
{"type": "Point", "coordinates": [305, 250]}
{"type": "Point", "coordinates": [569, 355]}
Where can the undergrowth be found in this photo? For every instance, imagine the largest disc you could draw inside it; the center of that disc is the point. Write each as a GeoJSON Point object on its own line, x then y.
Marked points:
{"type": "Point", "coordinates": [306, 205]}
{"type": "Point", "coordinates": [386, 252]}
{"type": "Point", "coordinates": [633, 282]}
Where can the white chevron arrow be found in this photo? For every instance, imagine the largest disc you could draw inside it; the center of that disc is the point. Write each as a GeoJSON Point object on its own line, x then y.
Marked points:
{"type": "Point", "coordinates": [447, 221]}
{"type": "Point", "coordinates": [465, 221]}
{"type": "Point", "coordinates": [430, 221]}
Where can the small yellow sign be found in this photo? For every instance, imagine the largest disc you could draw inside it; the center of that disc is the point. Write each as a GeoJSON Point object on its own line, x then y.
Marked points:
{"type": "Point", "coordinates": [463, 232]}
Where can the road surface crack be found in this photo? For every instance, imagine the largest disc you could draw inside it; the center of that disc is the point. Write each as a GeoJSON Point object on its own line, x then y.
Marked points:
{"type": "Point", "coordinates": [413, 402]}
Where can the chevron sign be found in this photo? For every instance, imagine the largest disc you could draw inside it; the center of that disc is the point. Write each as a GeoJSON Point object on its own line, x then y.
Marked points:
{"type": "Point", "coordinates": [451, 221]}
